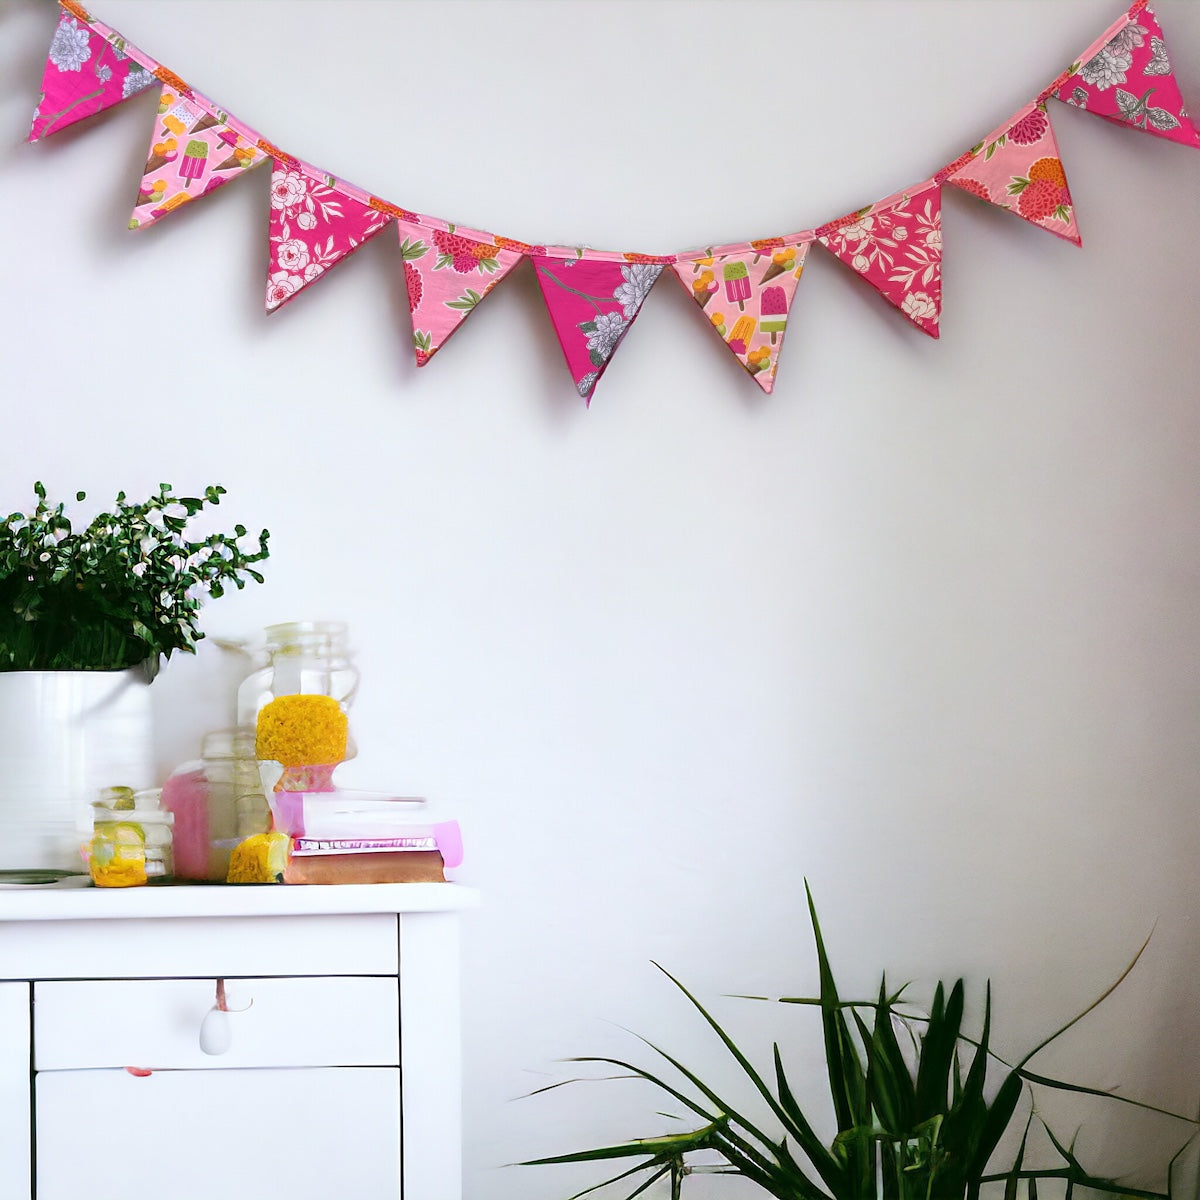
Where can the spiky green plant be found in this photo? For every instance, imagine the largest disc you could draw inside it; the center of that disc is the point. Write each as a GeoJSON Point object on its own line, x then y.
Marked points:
{"type": "Point", "coordinates": [921, 1133]}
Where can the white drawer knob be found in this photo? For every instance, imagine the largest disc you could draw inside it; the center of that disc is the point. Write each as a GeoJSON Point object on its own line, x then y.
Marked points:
{"type": "Point", "coordinates": [216, 1036]}
{"type": "Point", "coordinates": [216, 1033]}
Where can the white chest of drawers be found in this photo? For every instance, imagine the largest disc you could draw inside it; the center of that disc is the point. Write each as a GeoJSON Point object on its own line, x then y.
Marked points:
{"type": "Point", "coordinates": [343, 1076]}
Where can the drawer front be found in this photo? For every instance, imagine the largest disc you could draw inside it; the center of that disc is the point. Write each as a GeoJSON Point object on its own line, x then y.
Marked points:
{"type": "Point", "coordinates": [155, 1023]}
{"type": "Point", "coordinates": [196, 1135]}
{"type": "Point", "coordinates": [356, 944]}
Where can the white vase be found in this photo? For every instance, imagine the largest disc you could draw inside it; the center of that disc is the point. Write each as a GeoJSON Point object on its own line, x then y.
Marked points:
{"type": "Point", "coordinates": [63, 736]}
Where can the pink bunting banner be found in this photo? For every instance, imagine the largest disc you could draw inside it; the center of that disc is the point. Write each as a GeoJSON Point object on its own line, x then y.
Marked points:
{"type": "Point", "coordinates": [744, 290]}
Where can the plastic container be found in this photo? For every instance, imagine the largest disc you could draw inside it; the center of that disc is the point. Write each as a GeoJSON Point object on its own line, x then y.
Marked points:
{"type": "Point", "coordinates": [131, 839]}
{"type": "Point", "coordinates": [217, 800]}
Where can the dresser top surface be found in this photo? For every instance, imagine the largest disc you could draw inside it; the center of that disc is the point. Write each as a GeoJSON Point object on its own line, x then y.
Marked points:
{"type": "Point", "coordinates": [59, 903]}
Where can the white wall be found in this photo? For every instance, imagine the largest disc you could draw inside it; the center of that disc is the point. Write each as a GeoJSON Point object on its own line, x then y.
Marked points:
{"type": "Point", "coordinates": [922, 626]}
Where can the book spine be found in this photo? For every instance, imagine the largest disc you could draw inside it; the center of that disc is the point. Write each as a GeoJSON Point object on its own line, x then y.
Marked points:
{"type": "Point", "coordinates": [314, 845]}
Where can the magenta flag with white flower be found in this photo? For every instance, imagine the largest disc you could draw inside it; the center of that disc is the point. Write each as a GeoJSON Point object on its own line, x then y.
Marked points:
{"type": "Point", "coordinates": [85, 73]}
{"type": "Point", "coordinates": [1125, 76]}
{"type": "Point", "coordinates": [193, 150]}
{"type": "Point", "coordinates": [1017, 167]}
{"type": "Point", "coordinates": [746, 298]}
{"type": "Point", "coordinates": [315, 224]}
{"type": "Point", "coordinates": [592, 304]}
{"type": "Point", "coordinates": [447, 273]}
{"type": "Point", "coordinates": [896, 246]}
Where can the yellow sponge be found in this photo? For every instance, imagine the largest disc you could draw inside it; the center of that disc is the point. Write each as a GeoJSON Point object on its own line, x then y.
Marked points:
{"type": "Point", "coordinates": [259, 859]}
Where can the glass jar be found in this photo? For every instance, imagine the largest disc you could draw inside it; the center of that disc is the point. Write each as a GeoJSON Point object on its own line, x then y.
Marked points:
{"type": "Point", "coordinates": [131, 839]}
{"type": "Point", "coordinates": [306, 657]}
{"type": "Point", "coordinates": [217, 800]}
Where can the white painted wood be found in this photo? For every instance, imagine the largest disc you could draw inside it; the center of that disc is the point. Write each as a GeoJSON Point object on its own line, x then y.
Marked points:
{"type": "Point", "coordinates": [156, 1023]}
{"type": "Point", "coordinates": [14, 1090]}
{"type": "Point", "coordinates": [301, 1134]}
{"type": "Point", "coordinates": [431, 1057]}
{"type": "Point", "coordinates": [56, 903]}
{"type": "Point", "coordinates": [318, 945]}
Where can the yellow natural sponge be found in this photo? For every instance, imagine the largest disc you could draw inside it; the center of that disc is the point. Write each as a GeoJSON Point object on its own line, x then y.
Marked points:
{"type": "Point", "coordinates": [259, 859]}
{"type": "Point", "coordinates": [302, 730]}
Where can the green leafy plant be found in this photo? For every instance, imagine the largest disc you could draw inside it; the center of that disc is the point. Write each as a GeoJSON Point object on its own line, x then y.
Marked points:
{"type": "Point", "coordinates": [904, 1132]}
{"type": "Point", "coordinates": [122, 592]}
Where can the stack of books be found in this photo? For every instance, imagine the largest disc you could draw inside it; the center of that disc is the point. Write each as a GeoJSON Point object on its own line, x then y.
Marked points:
{"type": "Point", "coordinates": [363, 837]}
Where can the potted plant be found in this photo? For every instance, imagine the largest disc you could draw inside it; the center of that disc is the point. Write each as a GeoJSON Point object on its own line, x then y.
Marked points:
{"type": "Point", "coordinates": [86, 617]}
{"type": "Point", "coordinates": [909, 1095]}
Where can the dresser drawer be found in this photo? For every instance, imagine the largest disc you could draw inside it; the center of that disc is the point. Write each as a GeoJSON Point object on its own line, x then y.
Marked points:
{"type": "Point", "coordinates": [155, 1023]}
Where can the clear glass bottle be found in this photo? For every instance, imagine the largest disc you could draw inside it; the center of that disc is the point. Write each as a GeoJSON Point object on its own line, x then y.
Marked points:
{"type": "Point", "coordinates": [131, 839]}
{"type": "Point", "coordinates": [217, 800]}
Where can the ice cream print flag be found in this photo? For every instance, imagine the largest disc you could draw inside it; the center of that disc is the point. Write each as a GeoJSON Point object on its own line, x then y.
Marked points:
{"type": "Point", "coordinates": [744, 290]}
{"type": "Point", "coordinates": [314, 225]}
{"type": "Point", "coordinates": [447, 272]}
{"type": "Point", "coordinates": [1125, 76]}
{"type": "Point", "coordinates": [1017, 167]}
{"type": "Point", "coordinates": [896, 246]}
{"type": "Point", "coordinates": [746, 298]}
{"type": "Point", "coordinates": [592, 305]}
{"type": "Point", "coordinates": [86, 72]}
{"type": "Point", "coordinates": [193, 149]}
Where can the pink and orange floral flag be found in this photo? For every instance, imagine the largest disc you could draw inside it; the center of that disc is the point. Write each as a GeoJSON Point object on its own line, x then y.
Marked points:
{"type": "Point", "coordinates": [746, 297]}
{"type": "Point", "coordinates": [447, 273]}
{"type": "Point", "coordinates": [314, 226]}
{"type": "Point", "coordinates": [1125, 76]}
{"type": "Point", "coordinates": [193, 150]}
{"type": "Point", "coordinates": [1017, 167]}
{"type": "Point", "coordinates": [592, 303]}
{"type": "Point", "coordinates": [896, 246]}
{"type": "Point", "coordinates": [85, 73]}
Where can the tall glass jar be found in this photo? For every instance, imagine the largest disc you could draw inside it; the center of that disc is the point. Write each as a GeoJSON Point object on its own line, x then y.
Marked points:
{"type": "Point", "coordinates": [305, 657]}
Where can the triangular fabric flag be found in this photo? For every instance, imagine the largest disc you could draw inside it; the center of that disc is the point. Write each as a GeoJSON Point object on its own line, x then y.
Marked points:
{"type": "Point", "coordinates": [1017, 167]}
{"type": "Point", "coordinates": [446, 275]}
{"type": "Point", "coordinates": [193, 150]}
{"type": "Point", "coordinates": [896, 246]}
{"type": "Point", "coordinates": [1131, 53]}
{"type": "Point", "coordinates": [746, 297]}
{"type": "Point", "coordinates": [592, 304]}
{"type": "Point", "coordinates": [314, 225]}
{"type": "Point", "coordinates": [84, 74]}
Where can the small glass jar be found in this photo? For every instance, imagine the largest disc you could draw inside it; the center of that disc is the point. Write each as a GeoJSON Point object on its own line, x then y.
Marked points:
{"type": "Point", "coordinates": [131, 839]}
{"type": "Point", "coordinates": [217, 800]}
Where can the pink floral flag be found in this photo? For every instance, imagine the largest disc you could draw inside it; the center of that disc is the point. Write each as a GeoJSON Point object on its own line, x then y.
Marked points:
{"type": "Point", "coordinates": [193, 150]}
{"type": "Point", "coordinates": [896, 246]}
{"type": "Point", "coordinates": [447, 273]}
{"type": "Point", "coordinates": [85, 73]}
{"type": "Point", "coordinates": [592, 304]}
{"type": "Point", "coordinates": [1018, 168]}
{"type": "Point", "coordinates": [1125, 76]}
{"type": "Point", "coordinates": [314, 226]}
{"type": "Point", "coordinates": [746, 298]}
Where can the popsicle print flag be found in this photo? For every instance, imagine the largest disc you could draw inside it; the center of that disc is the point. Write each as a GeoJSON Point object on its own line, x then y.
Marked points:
{"type": "Point", "coordinates": [896, 246]}
{"type": "Point", "coordinates": [1018, 168]}
{"type": "Point", "coordinates": [746, 298]}
{"type": "Point", "coordinates": [592, 304]}
{"type": "Point", "coordinates": [447, 274]}
{"type": "Point", "coordinates": [85, 73]}
{"type": "Point", "coordinates": [1126, 76]}
{"type": "Point", "coordinates": [315, 224]}
{"type": "Point", "coordinates": [193, 150]}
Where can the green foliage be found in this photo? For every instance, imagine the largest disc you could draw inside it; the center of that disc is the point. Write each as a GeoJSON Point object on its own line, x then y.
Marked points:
{"type": "Point", "coordinates": [920, 1132]}
{"type": "Point", "coordinates": [121, 592]}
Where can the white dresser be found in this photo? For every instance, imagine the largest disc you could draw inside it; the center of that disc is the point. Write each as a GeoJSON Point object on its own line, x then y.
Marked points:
{"type": "Point", "coordinates": [343, 1072]}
